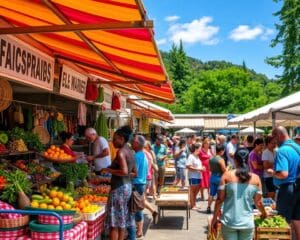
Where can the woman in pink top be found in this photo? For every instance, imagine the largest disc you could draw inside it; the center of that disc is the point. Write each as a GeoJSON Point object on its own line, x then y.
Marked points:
{"type": "Point", "coordinates": [204, 155]}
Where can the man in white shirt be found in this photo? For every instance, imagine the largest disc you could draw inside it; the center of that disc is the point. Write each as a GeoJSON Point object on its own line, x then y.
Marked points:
{"type": "Point", "coordinates": [101, 155]}
{"type": "Point", "coordinates": [231, 149]}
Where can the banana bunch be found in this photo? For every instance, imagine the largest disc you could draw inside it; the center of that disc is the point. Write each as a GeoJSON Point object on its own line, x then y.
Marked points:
{"type": "Point", "coordinates": [18, 146]}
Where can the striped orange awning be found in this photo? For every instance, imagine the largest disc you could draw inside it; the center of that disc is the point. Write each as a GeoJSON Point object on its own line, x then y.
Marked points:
{"type": "Point", "coordinates": [150, 110]}
{"type": "Point", "coordinates": [109, 39]}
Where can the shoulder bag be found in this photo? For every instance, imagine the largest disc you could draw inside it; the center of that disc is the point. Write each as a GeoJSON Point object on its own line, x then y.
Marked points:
{"type": "Point", "coordinates": [136, 202]}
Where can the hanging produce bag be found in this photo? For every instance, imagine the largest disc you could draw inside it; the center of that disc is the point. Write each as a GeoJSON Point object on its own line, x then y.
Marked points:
{"type": "Point", "coordinates": [101, 125]}
{"type": "Point", "coordinates": [100, 98]}
{"type": "Point", "coordinates": [91, 92]}
{"type": "Point", "coordinates": [116, 102]}
{"type": "Point", "coordinates": [18, 115]}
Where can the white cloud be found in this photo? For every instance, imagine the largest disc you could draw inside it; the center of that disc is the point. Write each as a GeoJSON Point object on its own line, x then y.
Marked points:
{"type": "Point", "coordinates": [161, 41]}
{"type": "Point", "coordinates": [245, 32]}
{"type": "Point", "coordinates": [198, 30]}
{"type": "Point", "coordinates": [172, 18]}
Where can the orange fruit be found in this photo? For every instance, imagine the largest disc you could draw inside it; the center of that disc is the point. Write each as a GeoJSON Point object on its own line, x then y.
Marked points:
{"type": "Point", "coordinates": [65, 198]}
{"type": "Point", "coordinates": [67, 206]}
{"type": "Point", "coordinates": [81, 205]}
{"type": "Point", "coordinates": [77, 209]}
{"type": "Point", "coordinates": [55, 201]}
{"type": "Point", "coordinates": [52, 147]}
{"type": "Point", "coordinates": [46, 154]}
{"type": "Point", "coordinates": [60, 195]}
{"type": "Point", "coordinates": [53, 194]}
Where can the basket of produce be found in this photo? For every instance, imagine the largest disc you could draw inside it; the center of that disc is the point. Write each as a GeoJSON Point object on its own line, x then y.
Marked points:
{"type": "Point", "coordinates": [174, 189]}
{"type": "Point", "coordinates": [274, 227]}
{"type": "Point", "coordinates": [57, 155]}
{"type": "Point", "coordinates": [14, 222]}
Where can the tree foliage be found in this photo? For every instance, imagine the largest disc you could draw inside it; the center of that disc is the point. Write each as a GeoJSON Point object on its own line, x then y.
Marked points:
{"type": "Point", "coordinates": [216, 86]}
{"type": "Point", "coordinates": [289, 37]}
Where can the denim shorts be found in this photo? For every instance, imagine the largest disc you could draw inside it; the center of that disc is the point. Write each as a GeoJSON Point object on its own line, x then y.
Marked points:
{"type": "Point", "coordinates": [194, 181]}
{"type": "Point", "coordinates": [237, 234]}
{"type": "Point", "coordinates": [288, 201]}
{"type": "Point", "coordinates": [180, 173]}
{"type": "Point", "coordinates": [214, 184]}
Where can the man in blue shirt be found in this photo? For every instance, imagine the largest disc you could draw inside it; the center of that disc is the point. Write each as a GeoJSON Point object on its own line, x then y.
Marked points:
{"type": "Point", "coordinates": [139, 182]}
{"type": "Point", "coordinates": [286, 171]}
{"type": "Point", "coordinates": [160, 151]}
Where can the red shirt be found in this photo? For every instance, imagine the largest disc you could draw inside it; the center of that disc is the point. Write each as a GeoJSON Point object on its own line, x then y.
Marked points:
{"type": "Point", "coordinates": [67, 150]}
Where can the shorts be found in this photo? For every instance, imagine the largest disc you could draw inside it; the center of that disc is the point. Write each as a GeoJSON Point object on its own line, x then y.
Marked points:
{"type": "Point", "coordinates": [288, 201]}
{"type": "Point", "coordinates": [180, 173]}
{"type": "Point", "coordinates": [270, 185]}
{"type": "Point", "coordinates": [214, 184]}
{"type": "Point", "coordinates": [194, 181]}
{"type": "Point", "coordinates": [237, 234]}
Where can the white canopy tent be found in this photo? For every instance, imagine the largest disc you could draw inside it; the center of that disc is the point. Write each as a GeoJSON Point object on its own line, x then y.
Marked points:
{"type": "Point", "coordinates": [285, 111]}
{"type": "Point", "coordinates": [250, 130]}
{"type": "Point", "coordinates": [186, 131]}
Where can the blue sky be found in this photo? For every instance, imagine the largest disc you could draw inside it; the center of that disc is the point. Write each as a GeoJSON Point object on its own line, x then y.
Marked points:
{"type": "Point", "coordinates": [231, 30]}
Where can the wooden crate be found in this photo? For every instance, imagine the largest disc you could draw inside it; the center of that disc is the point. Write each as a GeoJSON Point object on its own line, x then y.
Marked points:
{"type": "Point", "coordinates": [268, 233]}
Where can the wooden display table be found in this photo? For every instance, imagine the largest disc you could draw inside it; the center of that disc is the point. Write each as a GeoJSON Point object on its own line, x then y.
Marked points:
{"type": "Point", "coordinates": [174, 201]}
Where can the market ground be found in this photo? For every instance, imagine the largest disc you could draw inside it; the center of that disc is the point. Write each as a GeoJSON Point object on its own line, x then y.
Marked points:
{"type": "Point", "coordinates": [173, 225]}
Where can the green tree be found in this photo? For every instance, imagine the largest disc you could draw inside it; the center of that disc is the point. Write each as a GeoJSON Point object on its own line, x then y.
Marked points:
{"type": "Point", "coordinates": [179, 69]}
{"type": "Point", "coordinates": [289, 36]}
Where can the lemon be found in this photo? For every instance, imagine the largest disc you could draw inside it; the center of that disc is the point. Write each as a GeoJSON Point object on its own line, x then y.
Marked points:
{"type": "Point", "coordinates": [51, 207]}
{"type": "Point", "coordinates": [67, 206]}
{"type": "Point", "coordinates": [43, 205]}
{"type": "Point", "coordinates": [59, 208]}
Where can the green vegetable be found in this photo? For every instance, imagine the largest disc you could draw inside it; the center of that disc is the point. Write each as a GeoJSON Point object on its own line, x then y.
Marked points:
{"type": "Point", "coordinates": [101, 125]}
{"type": "Point", "coordinates": [32, 139]}
{"type": "Point", "coordinates": [16, 133]}
{"type": "Point", "coordinates": [74, 172]}
{"type": "Point", "coordinates": [276, 221]}
{"type": "Point", "coordinates": [17, 181]}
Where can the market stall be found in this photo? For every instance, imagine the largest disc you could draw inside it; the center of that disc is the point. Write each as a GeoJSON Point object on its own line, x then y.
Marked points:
{"type": "Point", "coordinates": [173, 198]}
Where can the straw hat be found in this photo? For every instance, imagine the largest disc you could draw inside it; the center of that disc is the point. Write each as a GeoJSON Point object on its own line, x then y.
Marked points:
{"type": "Point", "coordinates": [5, 94]}
{"type": "Point", "coordinates": [42, 133]}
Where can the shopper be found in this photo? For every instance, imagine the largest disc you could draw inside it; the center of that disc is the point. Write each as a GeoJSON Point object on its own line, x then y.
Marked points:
{"type": "Point", "coordinates": [160, 151]}
{"type": "Point", "coordinates": [255, 160]}
{"type": "Point", "coordinates": [238, 189]}
{"type": "Point", "coordinates": [101, 155]}
{"type": "Point", "coordinates": [230, 150]}
{"type": "Point", "coordinates": [139, 182]}
{"type": "Point", "coordinates": [286, 171]}
{"type": "Point", "coordinates": [180, 157]}
{"type": "Point", "coordinates": [204, 155]}
{"type": "Point", "coordinates": [118, 216]}
{"type": "Point", "coordinates": [268, 163]}
{"type": "Point", "coordinates": [217, 167]}
{"type": "Point", "coordinates": [194, 167]}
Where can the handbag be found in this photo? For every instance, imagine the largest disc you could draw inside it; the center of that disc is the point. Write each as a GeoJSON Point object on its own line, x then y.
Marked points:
{"type": "Point", "coordinates": [136, 202]}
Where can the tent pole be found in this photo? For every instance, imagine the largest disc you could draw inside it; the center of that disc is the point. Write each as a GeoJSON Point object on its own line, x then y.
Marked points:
{"type": "Point", "coordinates": [254, 128]}
{"type": "Point", "coordinates": [273, 120]}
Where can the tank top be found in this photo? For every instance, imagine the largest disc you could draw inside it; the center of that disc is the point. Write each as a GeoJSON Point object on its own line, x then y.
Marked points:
{"type": "Point", "coordinates": [214, 165]}
{"type": "Point", "coordinates": [237, 208]}
{"type": "Point", "coordinates": [118, 181]}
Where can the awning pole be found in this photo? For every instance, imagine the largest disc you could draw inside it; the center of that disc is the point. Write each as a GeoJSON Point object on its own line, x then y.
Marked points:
{"type": "Point", "coordinates": [254, 128]}
{"type": "Point", "coordinates": [273, 120]}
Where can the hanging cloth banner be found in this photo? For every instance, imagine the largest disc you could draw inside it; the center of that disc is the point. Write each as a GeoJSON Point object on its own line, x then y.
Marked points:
{"type": "Point", "coordinates": [72, 83]}
{"type": "Point", "coordinates": [25, 64]}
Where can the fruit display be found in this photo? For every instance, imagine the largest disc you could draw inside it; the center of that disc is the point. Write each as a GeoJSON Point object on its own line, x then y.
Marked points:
{"type": "Point", "coordinates": [83, 190]}
{"type": "Point", "coordinates": [99, 180]}
{"type": "Point", "coordinates": [55, 153]}
{"type": "Point", "coordinates": [53, 199]}
{"type": "Point", "coordinates": [95, 198]}
{"type": "Point", "coordinates": [3, 138]}
{"type": "Point", "coordinates": [102, 189]}
{"type": "Point", "coordinates": [21, 164]}
{"type": "Point", "coordinates": [275, 222]}
{"type": "Point", "coordinates": [2, 182]}
{"type": "Point", "coordinates": [17, 146]}
{"type": "Point", "coordinates": [83, 205]}
{"type": "Point", "coordinates": [173, 189]}
{"type": "Point", "coordinates": [3, 148]}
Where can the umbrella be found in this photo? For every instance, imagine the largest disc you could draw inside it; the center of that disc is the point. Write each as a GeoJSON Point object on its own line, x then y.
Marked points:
{"type": "Point", "coordinates": [186, 130]}
{"type": "Point", "coordinates": [250, 130]}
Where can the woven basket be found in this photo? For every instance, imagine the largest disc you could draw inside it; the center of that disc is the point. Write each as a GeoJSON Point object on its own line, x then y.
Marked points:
{"type": "Point", "coordinates": [43, 134]}
{"type": "Point", "coordinates": [14, 222]}
{"type": "Point", "coordinates": [5, 94]}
